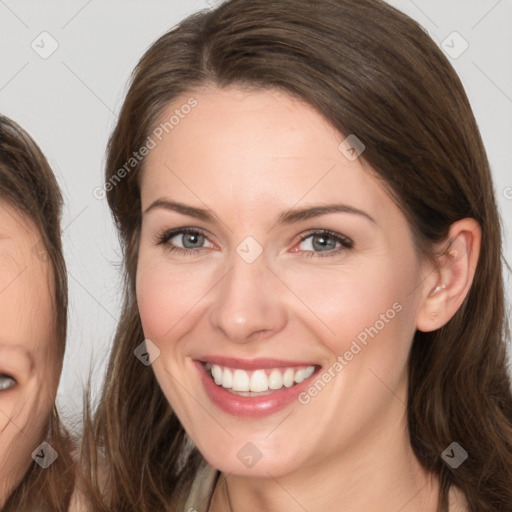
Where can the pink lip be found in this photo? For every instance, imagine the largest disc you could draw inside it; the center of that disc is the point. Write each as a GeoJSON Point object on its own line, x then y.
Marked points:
{"type": "Point", "coordinates": [250, 406]}
{"type": "Point", "coordinates": [252, 364]}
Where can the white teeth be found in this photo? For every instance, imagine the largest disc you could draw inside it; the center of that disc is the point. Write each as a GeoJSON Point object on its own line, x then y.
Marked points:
{"type": "Point", "coordinates": [240, 381]}
{"type": "Point", "coordinates": [308, 372]}
{"type": "Point", "coordinates": [288, 376]}
{"type": "Point", "coordinates": [227, 378]}
{"type": "Point", "coordinates": [275, 379]}
{"type": "Point", "coordinates": [299, 376]}
{"type": "Point", "coordinates": [217, 374]}
{"type": "Point", "coordinates": [258, 381]}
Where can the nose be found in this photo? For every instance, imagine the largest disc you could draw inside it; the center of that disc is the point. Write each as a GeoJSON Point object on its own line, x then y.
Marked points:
{"type": "Point", "coordinates": [247, 306]}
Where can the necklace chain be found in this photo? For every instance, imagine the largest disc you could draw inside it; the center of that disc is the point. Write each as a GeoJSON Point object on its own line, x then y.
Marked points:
{"type": "Point", "coordinates": [217, 487]}
{"type": "Point", "coordinates": [227, 492]}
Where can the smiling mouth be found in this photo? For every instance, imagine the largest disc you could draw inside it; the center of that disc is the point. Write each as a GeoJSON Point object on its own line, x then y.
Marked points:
{"type": "Point", "coordinates": [257, 382]}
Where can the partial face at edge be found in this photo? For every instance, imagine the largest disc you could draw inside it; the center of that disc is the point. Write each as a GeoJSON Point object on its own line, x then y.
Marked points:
{"type": "Point", "coordinates": [29, 372]}
{"type": "Point", "coordinates": [251, 295]}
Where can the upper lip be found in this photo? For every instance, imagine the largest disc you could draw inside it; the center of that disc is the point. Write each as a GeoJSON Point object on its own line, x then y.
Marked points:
{"type": "Point", "coordinates": [260, 363]}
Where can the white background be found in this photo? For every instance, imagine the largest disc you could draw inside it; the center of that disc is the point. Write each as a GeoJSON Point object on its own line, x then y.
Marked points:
{"type": "Point", "coordinates": [68, 103]}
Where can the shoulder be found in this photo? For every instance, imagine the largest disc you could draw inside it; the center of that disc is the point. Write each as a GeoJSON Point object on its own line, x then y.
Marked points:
{"type": "Point", "coordinates": [80, 501]}
{"type": "Point", "coordinates": [457, 500]}
{"type": "Point", "coordinates": [202, 489]}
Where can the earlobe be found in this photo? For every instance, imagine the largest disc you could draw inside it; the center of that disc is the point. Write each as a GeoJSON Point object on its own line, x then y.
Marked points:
{"type": "Point", "coordinates": [447, 287]}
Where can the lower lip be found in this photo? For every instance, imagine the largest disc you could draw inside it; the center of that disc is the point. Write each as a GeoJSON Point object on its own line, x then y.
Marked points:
{"type": "Point", "coordinates": [250, 406]}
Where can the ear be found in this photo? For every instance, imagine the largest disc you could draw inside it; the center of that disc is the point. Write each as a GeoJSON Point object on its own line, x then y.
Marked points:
{"type": "Point", "coordinates": [446, 287]}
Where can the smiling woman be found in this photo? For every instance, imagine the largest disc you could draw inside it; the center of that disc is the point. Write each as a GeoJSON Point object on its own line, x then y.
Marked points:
{"type": "Point", "coordinates": [33, 313]}
{"type": "Point", "coordinates": [314, 309]}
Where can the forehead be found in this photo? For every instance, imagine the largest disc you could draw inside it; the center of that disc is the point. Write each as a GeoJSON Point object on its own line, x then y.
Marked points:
{"type": "Point", "coordinates": [26, 291]}
{"type": "Point", "coordinates": [18, 235]}
{"type": "Point", "coordinates": [259, 149]}
{"type": "Point", "coordinates": [13, 221]}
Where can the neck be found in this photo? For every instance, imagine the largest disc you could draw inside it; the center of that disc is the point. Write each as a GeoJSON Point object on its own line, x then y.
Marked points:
{"type": "Point", "coordinates": [378, 472]}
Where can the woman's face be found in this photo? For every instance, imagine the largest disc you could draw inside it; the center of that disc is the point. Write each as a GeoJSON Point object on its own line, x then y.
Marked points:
{"type": "Point", "coordinates": [29, 372]}
{"type": "Point", "coordinates": [259, 296]}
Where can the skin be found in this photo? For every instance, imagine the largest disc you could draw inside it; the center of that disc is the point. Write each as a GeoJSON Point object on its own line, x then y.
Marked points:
{"type": "Point", "coordinates": [247, 156]}
{"type": "Point", "coordinates": [28, 365]}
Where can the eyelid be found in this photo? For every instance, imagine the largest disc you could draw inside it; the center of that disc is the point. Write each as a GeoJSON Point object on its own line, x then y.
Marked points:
{"type": "Point", "coordinates": [16, 362]}
{"type": "Point", "coordinates": [345, 241]}
{"type": "Point", "coordinates": [324, 231]}
{"type": "Point", "coordinates": [162, 238]}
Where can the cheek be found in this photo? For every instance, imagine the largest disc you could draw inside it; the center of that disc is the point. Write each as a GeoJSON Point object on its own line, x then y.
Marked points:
{"type": "Point", "coordinates": [22, 430]}
{"type": "Point", "coordinates": [16, 461]}
{"type": "Point", "coordinates": [361, 305]}
{"type": "Point", "coordinates": [156, 300]}
{"type": "Point", "coordinates": [166, 296]}
{"type": "Point", "coordinates": [28, 406]}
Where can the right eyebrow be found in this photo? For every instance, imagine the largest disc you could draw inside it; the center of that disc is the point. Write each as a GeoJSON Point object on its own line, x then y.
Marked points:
{"type": "Point", "coordinates": [191, 211]}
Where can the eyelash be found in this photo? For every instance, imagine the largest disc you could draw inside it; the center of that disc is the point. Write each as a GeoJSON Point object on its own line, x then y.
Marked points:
{"type": "Point", "coordinates": [346, 242]}
{"type": "Point", "coordinates": [5, 376]}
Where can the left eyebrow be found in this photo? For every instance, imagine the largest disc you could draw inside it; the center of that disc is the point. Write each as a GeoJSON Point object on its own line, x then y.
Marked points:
{"type": "Point", "coordinates": [290, 216]}
{"type": "Point", "coordinates": [300, 214]}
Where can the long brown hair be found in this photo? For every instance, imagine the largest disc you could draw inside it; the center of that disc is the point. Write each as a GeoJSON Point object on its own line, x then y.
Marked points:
{"type": "Point", "coordinates": [28, 184]}
{"type": "Point", "coordinates": [371, 71]}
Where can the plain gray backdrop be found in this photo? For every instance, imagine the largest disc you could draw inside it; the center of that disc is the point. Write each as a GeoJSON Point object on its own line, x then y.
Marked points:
{"type": "Point", "coordinates": [64, 66]}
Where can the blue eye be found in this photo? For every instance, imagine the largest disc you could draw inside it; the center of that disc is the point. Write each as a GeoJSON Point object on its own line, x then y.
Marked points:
{"type": "Point", "coordinates": [324, 242]}
{"type": "Point", "coordinates": [189, 236]}
{"type": "Point", "coordinates": [6, 382]}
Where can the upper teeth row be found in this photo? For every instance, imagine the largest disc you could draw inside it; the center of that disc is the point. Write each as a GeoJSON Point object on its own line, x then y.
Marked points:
{"type": "Point", "coordinates": [259, 380]}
